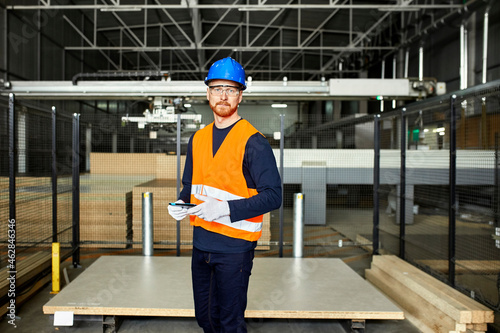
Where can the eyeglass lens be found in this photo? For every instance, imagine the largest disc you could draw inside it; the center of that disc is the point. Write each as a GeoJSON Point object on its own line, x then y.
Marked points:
{"type": "Point", "coordinates": [218, 91]}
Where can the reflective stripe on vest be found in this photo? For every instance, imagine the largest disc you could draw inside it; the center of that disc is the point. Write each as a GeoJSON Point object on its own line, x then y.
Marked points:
{"type": "Point", "coordinates": [221, 177]}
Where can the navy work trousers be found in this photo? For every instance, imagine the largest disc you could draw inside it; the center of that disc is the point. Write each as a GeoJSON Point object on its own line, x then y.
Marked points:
{"type": "Point", "coordinates": [220, 285]}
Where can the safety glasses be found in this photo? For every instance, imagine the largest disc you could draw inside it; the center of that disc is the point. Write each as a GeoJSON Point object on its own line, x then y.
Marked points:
{"type": "Point", "coordinates": [231, 91]}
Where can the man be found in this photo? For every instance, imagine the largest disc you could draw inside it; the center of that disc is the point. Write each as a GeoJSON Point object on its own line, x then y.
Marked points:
{"type": "Point", "coordinates": [231, 174]}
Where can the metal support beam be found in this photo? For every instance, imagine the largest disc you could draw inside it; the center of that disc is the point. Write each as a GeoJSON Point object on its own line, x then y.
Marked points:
{"type": "Point", "coordinates": [111, 324]}
{"type": "Point", "coordinates": [358, 40]}
{"type": "Point", "coordinates": [89, 42]}
{"type": "Point", "coordinates": [349, 48]}
{"type": "Point", "coordinates": [306, 43]}
{"type": "Point", "coordinates": [197, 31]}
{"type": "Point", "coordinates": [353, 325]}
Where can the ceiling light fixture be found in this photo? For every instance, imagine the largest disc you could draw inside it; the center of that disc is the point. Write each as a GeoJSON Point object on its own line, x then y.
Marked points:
{"type": "Point", "coordinates": [399, 9]}
{"type": "Point", "coordinates": [121, 9]}
{"type": "Point", "coordinates": [279, 106]}
{"type": "Point", "coordinates": [258, 9]}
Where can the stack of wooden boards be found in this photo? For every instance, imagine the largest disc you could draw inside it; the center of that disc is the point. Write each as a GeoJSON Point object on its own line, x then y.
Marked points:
{"type": "Point", "coordinates": [106, 210]}
{"type": "Point", "coordinates": [34, 209]}
{"type": "Point", "coordinates": [29, 269]}
{"type": "Point", "coordinates": [431, 305]}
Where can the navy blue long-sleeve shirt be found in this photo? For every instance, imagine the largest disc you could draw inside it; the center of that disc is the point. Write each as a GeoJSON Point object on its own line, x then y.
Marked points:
{"type": "Point", "coordinates": [260, 172]}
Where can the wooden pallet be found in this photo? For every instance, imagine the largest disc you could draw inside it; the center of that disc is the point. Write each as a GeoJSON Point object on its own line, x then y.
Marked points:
{"type": "Point", "coordinates": [430, 304]}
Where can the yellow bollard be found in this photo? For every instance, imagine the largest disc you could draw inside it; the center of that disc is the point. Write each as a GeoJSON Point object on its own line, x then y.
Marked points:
{"type": "Point", "coordinates": [56, 261]}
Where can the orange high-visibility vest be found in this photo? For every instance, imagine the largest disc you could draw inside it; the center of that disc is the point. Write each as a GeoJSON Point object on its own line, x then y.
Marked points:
{"type": "Point", "coordinates": [221, 177]}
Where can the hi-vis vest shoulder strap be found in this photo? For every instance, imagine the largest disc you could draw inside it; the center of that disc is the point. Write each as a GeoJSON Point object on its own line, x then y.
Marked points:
{"type": "Point", "coordinates": [221, 176]}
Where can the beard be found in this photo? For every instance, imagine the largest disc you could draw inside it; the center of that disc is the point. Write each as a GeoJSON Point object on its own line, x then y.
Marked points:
{"type": "Point", "coordinates": [223, 109]}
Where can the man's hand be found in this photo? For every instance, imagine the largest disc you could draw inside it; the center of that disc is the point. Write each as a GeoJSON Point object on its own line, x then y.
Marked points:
{"type": "Point", "coordinates": [178, 212]}
{"type": "Point", "coordinates": [211, 209]}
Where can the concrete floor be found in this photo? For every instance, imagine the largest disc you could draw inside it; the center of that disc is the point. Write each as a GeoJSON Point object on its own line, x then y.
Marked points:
{"type": "Point", "coordinates": [349, 225]}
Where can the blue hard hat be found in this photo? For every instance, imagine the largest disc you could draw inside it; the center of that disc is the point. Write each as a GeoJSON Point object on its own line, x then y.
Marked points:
{"type": "Point", "coordinates": [227, 69]}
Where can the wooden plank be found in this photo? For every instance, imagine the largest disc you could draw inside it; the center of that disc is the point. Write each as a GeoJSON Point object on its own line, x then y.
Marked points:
{"type": "Point", "coordinates": [480, 313]}
{"type": "Point", "coordinates": [27, 269]}
{"type": "Point", "coordinates": [429, 318]}
{"type": "Point", "coordinates": [464, 266]}
{"type": "Point", "coordinates": [279, 288]}
{"type": "Point", "coordinates": [478, 327]}
{"type": "Point", "coordinates": [400, 273]}
{"type": "Point", "coordinates": [20, 300]}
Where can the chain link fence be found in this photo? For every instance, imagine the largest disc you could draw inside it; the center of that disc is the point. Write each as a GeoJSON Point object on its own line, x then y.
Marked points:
{"type": "Point", "coordinates": [380, 181]}
{"type": "Point", "coordinates": [35, 191]}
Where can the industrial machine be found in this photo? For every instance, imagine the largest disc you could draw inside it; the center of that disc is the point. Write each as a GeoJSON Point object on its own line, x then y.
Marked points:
{"type": "Point", "coordinates": [164, 115]}
{"type": "Point", "coordinates": [161, 120]}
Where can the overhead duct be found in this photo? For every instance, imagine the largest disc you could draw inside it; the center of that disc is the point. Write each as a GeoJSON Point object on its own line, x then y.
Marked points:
{"type": "Point", "coordinates": [403, 89]}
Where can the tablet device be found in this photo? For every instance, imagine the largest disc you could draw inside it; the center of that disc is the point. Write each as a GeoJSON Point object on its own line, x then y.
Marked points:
{"type": "Point", "coordinates": [180, 204]}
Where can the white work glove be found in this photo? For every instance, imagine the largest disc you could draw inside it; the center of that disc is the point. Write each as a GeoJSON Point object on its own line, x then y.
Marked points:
{"type": "Point", "coordinates": [178, 212]}
{"type": "Point", "coordinates": [211, 209]}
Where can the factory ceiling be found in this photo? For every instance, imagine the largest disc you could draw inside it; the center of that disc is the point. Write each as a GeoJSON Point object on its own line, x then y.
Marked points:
{"type": "Point", "coordinates": [298, 39]}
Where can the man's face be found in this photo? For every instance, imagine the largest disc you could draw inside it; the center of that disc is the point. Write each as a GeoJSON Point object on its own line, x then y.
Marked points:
{"type": "Point", "coordinates": [223, 105]}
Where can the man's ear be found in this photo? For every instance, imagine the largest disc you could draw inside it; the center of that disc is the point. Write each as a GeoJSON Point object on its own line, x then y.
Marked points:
{"type": "Point", "coordinates": [208, 94]}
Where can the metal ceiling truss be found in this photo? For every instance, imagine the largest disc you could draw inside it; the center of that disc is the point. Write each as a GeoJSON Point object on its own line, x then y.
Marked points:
{"type": "Point", "coordinates": [263, 40]}
{"type": "Point", "coordinates": [401, 5]}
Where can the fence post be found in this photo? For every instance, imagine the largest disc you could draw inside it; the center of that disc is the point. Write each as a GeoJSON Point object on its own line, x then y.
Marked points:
{"type": "Point", "coordinates": [496, 201]}
{"type": "Point", "coordinates": [282, 149]}
{"type": "Point", "coordinates": [76, 189]}
{"type": "Point", "coordinates": [56, 268]}
{"type": "Point", "coordinates": [452, 184]}
{"type": "Point", "coordinates": [402, 187]}
{"type": "Point", "coordinates": [147, 224]}
{"type": "Point", "coordinates": [54, 176]}
{"type": "Point", "coordinates": [298, 225]}
{"type": "Point", "coordinates": [178, 146]}
{"type": "Point", "coordinates": [376, 184]}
